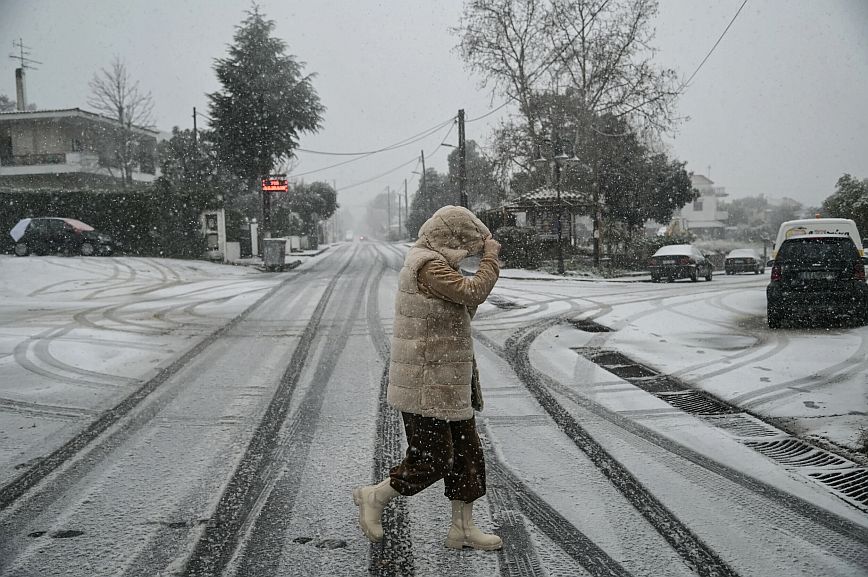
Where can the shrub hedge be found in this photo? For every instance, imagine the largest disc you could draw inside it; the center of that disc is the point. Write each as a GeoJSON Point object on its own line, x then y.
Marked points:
{"type": "Point", "coordinates": [146, 222]}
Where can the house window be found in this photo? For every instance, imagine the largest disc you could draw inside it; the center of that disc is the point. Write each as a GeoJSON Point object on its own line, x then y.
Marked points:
{"type": "Point", "coordinates": [76, 145]}
{"type": "Point", "coordinates": [697, 205]}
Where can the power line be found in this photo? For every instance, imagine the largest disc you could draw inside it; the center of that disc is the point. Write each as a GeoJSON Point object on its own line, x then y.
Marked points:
{"type": "Point", "coordinates": [373, 178]}
{"type": "Point", "coordinates": [409, 140]}
{"type": "Point", "coordinates": [487, 114]}
{"type": "Point", "coordinates": [337, 164]}
{"type": "Point", "coordinates": [707, 56]}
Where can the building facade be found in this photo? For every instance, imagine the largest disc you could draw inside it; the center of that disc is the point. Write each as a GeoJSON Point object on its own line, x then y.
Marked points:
{"type": "Point", "coordinates": [702, 217]}
{"type": "Point", "coordinates": [73, 148]}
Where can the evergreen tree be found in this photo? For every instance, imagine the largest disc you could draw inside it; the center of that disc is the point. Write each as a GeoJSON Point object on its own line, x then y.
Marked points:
{"type": "Point", "coordinates": [849, 201]}
{"type": "Point", "coordinates": [266, 101]}
{"type": "Point", "coordinates": [436, 193]}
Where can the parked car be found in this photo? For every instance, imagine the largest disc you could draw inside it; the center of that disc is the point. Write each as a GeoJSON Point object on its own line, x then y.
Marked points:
{"type": "Point", "coordinates": [47, 235]}
{"type": "Point", "coordinates": [818, 226]}
{"type": "Point", "coordinates": [744, 260]}
{"type": "Point", "coordinates": [679, 261]}
{"type": "Point", "coordinates": [817, 275]}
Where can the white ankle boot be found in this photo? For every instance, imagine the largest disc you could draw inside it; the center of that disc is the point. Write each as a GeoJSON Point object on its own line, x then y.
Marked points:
{"type": "Point", "coordinates": [463, 533]}
{"type": "Point", "coordinates": [371, 501]}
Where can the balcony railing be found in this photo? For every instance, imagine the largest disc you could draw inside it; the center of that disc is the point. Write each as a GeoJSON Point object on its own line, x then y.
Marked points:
{"type": "Point", "coordinates": [35, 159]}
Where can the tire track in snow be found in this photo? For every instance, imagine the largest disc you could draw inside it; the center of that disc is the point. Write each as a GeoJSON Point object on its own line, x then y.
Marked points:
{"type": "Point", "coordinates": [846, 537]}
{"type": "Point", "coordinates": [15, 489]}
{"type": "Point", "coordinates": [695, 553]}
{"type": "Point", "coordinates": [216, 544]}
{"type": "Point", "coordinates": [260, 552]}
{"type": "Point", "coordinates": [394, 555]}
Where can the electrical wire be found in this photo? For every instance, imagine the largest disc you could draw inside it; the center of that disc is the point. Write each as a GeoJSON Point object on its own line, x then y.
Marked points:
{"type": "Point", "coordinates": [401, 143]}
{"type": "Point", "coordinates": [381, 175]}
{"type": "Point", "coordinates": [707, 56]}
{"type": "Point", "coordinates": [366, 155]}
{"type": "Point", "coordinates": [487, 114]}
{"type": "Point", "coordinates": [442, 142]}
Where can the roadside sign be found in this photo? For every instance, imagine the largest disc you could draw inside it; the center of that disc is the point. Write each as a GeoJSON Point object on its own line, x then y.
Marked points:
{"type": "Point", "coordinates": [275, 183]}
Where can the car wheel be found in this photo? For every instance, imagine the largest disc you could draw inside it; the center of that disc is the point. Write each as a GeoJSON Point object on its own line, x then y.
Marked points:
{"type": "Point", "coordinates": [87, 249]}
{"type": "Point", "coordinates": [21, 249]}
{"type": "Point", "coordinates": [670, 279]}
{"type": "Point", "coordinates": [694, 276]}
{"type": "Point", "coordinates": [708, 275]}
{"type": "Point", "coordinates": [655, 278]}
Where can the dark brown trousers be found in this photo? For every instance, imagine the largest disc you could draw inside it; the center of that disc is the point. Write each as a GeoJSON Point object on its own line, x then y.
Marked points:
{"type": "Point", "coordinates": [437, 449]}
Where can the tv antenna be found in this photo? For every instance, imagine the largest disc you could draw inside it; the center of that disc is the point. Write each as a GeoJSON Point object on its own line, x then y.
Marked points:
{"type": "Point", "coordinates": [22, 56]}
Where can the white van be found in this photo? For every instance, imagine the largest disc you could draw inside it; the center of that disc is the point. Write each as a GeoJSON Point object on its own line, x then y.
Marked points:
{"type": "Point", "coordinates": [818, 226]}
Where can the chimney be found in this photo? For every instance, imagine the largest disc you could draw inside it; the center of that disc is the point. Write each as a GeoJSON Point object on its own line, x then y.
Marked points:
{"type": "Point", "coordinates": [20, 93]}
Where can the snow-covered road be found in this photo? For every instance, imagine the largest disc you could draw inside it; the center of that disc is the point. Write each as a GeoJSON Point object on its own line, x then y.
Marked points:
{"type": "Point", "coordinates": [164, 417]}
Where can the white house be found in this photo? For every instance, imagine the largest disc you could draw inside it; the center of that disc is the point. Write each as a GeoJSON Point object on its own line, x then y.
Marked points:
{"type": "Point", "coordinates": [702, 217]}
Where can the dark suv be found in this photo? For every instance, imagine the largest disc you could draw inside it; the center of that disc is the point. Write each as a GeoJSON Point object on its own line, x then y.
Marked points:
{"type": "Point", "coordinates": [817, 275]}
{"type": "Point", "coordinates": [48, 235]}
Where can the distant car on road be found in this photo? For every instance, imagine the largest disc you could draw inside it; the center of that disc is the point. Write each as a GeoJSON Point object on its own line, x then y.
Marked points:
{"type": "Point", "coordinates": [744, 260]}
{"type": "Point", "coordinates": [817, 276]}
{"type": "Point", "coordinates": [46, 235]}
{"type": "Point", "coordinates": [676, 261]}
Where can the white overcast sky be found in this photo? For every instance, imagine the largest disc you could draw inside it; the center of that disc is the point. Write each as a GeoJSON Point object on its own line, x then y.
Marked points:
{"type": "Point", "coordinates": [779, 109]}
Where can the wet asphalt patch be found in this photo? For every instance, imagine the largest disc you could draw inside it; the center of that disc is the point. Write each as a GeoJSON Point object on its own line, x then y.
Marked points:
{"type": "Point", "coordinates": [321, 543]}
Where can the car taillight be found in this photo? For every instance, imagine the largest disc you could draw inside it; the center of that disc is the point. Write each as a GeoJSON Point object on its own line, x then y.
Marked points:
{"type": "Point", "coordinates": [776, 272]}
{"type": "Point", "coordinates": [652, 262]}
{"type": "Point", "coordinates": [684, 260]}
{"type": "Point", "coordinates": [859, 270]}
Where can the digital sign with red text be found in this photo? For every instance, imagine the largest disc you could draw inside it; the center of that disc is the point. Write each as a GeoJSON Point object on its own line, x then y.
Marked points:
{"type": "Point", "coordinates": [275, 184]}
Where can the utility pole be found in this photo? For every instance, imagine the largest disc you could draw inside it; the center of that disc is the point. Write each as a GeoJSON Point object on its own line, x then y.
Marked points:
{"type": "Point", "coordinates": [424, 191]}
{"type": "Point", "coordinates": [194, 127]}
{"type": "Point", "coordinates": [389, 212]}
{"type": "Point", "coordinates": [399, 215]}
{"type": "Point", "coordinates": [406, 208]}
{"type": "Point", "coordinates": [462, 161]}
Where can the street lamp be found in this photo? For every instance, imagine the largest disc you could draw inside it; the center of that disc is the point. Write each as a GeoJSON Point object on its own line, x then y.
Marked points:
{"type": "Point", "coordinates": [557, 162]}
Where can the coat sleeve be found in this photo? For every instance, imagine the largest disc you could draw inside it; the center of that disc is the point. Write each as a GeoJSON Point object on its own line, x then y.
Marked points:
{"type": "Point", "coordinates": [447, 283]}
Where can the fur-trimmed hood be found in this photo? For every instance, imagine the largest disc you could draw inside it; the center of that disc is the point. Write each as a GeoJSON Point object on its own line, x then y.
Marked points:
{"type": "Point", "coordinates": [454, 232]}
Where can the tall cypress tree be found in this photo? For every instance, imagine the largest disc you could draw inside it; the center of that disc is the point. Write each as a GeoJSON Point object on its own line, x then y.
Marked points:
{"type": "Point", "coordinates": [266, 101]}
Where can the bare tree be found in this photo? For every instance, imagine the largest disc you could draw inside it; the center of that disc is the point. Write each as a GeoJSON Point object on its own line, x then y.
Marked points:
{"type": "Point", "coordinates": [596, 51]}
{"type": "Point", "coordinates": [118, 96]}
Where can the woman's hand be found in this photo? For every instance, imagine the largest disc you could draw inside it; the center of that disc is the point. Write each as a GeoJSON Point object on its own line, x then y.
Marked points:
{"type": "Point", "coordinates": [491, 247]}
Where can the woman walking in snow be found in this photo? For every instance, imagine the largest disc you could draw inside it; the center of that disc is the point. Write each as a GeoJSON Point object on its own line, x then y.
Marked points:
{"type": "Point", "coordinates": [432, 375]}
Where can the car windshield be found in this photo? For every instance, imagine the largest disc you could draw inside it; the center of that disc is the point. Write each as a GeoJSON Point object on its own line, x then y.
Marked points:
{"type": "Point", "coordinates": [818, 250]}
{"type": "Point", "coordinates": [741, 253]}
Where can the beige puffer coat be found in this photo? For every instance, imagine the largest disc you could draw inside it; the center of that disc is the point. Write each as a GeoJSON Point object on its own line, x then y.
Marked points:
{"type": "Point", "coordinates": [432, 350]}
